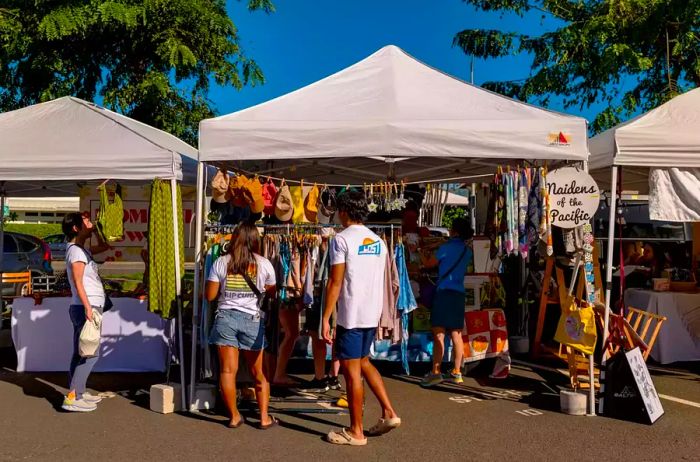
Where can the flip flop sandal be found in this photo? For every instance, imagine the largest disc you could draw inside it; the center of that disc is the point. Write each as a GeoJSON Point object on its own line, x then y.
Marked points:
{"type": "Point", "coordinates": [236, 425]}
{"type": "Point", "coordinates": [384, 426]}
{"type": "Point", "coordinates": [274, 423]}
{"type": "Point", "coordinates": [344, 438]}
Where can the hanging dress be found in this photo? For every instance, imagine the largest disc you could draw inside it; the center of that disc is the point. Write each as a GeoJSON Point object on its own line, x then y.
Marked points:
{"type": "Point", "coordinates": [110, 218]}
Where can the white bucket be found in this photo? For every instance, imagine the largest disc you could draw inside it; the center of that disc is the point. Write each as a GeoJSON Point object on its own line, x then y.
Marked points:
{"type": "Point", "coordinates": [573, 402]}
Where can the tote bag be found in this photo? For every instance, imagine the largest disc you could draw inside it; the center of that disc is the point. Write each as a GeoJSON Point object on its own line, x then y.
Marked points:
{"type": "Point", "coordinates": [576, 326]}
{"type": "Point", "coordinates": [89, 342]}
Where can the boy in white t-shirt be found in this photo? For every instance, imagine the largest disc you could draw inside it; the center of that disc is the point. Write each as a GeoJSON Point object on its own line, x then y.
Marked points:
{"type": "Point", "coordinates": [356, 284]}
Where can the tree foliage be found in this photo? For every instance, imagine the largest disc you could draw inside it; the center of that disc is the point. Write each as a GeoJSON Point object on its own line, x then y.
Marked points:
{"type": "Point", "coordinates": [451, 214]}
{"type": "Point", "coordinates": [153, 60]}
{"type": "Point", "coordinates": [631, 55]}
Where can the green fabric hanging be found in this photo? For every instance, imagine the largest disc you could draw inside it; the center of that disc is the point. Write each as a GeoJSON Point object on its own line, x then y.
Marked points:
{"type": "Point", "coordinates": [162, 289]}
{"type": "Point", "coordinates": [110, 218]}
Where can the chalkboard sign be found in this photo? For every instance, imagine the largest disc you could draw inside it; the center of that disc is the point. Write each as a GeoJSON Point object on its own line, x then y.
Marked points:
{"type": "Point", "coordinates": [629, 391]}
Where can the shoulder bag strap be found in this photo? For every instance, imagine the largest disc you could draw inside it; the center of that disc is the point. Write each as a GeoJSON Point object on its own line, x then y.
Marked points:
{"type": "Point", "coordinates": [254, 288]}
{"type": "Point", "coordinates": [252, 285]}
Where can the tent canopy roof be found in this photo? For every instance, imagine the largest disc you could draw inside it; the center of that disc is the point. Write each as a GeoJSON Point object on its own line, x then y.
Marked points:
{"type": "Point", "coordinates": [72, 139]}
{"type": "Point", "coordinates": [666, 136]}
{"type": "Point", "coordinates": [389, 109]}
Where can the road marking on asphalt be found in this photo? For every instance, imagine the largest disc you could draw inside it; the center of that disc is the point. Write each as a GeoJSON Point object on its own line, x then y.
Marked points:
{"type": "Point", "coordinates": [679, 400]}
{"type": "Point", "coordinates": [529, 412]}
{"type": "Point", "coordinates": [550, 388]}
{"type": "Point", "coordinates": [463, 399]}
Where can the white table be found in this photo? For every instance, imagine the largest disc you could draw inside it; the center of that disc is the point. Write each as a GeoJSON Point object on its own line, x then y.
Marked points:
{"type": "Point", "coordinates": [679, 338]}
{"type": "Point", "coordinates": [133, 339]}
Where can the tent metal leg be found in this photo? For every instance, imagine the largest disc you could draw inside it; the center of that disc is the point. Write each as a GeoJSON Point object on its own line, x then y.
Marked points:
{"type": "Point", "coordinates": [2, 240]}
{"type": "Point", "coordinates": [608, 283]}
{"type": "Point", "coordinates": [178, 289]}
{"type": "Point", "coordinates": [199, 207]}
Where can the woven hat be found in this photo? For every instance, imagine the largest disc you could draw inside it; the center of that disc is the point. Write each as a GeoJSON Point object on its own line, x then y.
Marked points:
{"type": "Point", "coordinates": [326, 206]}
{"type": "Point", "coordinates": [235, 187]}
{"type": "Point", "coordinates": [284, 207]}
{"type": "Point", "coordinates": [219, 187]}
{"type": "Point", "coordinates": [252, 193]}
{"type": "Point", "coordinates": [311, 204]}
{"type": "Point", "coordinates": [269, 193]}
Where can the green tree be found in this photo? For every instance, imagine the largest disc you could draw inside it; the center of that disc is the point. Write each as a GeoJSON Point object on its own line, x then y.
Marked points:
{"type": "Point", "coordinates": [452, 213]}
{"type": "Point", "coordinates": [153, 60]}
{"type": "Point", "coordinates": [629, 55]}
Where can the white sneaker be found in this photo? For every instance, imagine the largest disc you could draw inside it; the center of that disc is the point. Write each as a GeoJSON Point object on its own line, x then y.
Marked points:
{"type": "Point", "coordinates": [94, 399]}
{"type": "Point", "coordinates": [77, 405]}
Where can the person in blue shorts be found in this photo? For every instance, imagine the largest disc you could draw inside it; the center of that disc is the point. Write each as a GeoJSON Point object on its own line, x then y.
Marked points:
{"type": "Point", "coordinates": [447, 313]}
{"type": "Point", "coordinates": [356, 285]}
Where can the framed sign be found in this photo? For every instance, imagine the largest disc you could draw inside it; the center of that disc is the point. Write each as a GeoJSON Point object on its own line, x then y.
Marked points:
{"type": "Point", "coordinates": [573, 197]}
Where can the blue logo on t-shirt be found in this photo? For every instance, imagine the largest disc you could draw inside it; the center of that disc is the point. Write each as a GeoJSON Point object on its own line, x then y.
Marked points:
{"type": "Point", "coordinates": [370, 247]}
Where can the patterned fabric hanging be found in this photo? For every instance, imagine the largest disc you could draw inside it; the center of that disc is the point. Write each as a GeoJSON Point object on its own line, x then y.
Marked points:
{"type": "Point", "coordinates": [523, 191]}
{"type": "Point", "coordinates": [110, 218]}
{"type": "Point", "coordinates": [491, 228]}
{"type": "Point", "coordinates": [162, 288]}
{"type": "Point", "coordinates": [534, 209]}
{"type": "Point", "coordinates": [588, 239]}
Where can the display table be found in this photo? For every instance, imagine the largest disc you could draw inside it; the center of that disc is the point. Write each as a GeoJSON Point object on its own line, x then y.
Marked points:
{"type": "Point", "coordinates": [679, 337]}
{"type": "Point", "coordinates": [133, 339]}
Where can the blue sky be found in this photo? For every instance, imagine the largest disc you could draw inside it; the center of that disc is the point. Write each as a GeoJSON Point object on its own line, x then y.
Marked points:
{"type": "Point", "coordinates": [305, 40]}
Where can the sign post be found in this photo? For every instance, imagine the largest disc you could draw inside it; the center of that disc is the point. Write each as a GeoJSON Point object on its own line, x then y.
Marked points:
{"type": "Point", "coordinates": [574, 198]}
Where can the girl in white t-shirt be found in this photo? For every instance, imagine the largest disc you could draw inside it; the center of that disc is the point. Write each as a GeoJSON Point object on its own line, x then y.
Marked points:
{"type": "Point", "coordinates": [88, 295]}
{"type": "Point", "coordinates": [235, 280]}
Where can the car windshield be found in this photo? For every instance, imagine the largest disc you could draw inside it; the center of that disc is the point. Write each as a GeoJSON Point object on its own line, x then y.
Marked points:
{"type": "Point", "coordinates": [9, 245]}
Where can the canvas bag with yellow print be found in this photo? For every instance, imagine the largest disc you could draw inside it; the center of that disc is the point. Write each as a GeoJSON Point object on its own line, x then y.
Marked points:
{"type": "Point", "coordinates": [576, 326]}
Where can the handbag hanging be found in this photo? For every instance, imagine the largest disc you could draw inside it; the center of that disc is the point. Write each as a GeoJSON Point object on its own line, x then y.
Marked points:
{"type": "Point", "coordinates": [576, 327]}
{"type": "Point", "coordinates": [89, 341]}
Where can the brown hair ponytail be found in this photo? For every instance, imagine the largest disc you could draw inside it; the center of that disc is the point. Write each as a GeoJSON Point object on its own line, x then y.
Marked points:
{"type": "Point", "coordinates": [245, 243]}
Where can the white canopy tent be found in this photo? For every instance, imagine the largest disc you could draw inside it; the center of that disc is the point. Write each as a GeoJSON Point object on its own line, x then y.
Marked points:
{"type": "Point", "coordinates": [47, 147]}
{"type": "Point", "coordinates": [386, 117]}
{"type": "Point", "coordinates": [389, 115]}
{"type": "Point", "coordinates": [667, 138]}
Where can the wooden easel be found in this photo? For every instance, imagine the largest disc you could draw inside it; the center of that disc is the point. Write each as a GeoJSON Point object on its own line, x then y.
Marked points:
{"type": "Point", "coordinates": [577, 363]}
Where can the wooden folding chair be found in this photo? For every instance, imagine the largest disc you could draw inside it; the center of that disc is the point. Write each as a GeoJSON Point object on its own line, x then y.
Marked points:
{"type": "Point", "coordinates": [638, 327]}
{"type": "Point", "coordinates": [19, 278]}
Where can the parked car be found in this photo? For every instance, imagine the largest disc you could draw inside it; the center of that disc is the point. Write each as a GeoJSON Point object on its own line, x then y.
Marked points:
{"type": "Point", "coordinates": [58, 243]}
{"type": "Point", "coordinates": [24, 253]}
{"type": "Point", "coordinates": [438, 231]}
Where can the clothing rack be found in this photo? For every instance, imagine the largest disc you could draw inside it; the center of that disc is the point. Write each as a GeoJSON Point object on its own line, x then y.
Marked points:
{"type": "Point", "coordinates": [212, 230]}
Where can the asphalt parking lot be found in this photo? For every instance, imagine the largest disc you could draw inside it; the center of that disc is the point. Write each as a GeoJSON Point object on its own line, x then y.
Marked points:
{"type": "Point", "coordinates": [480, 420]}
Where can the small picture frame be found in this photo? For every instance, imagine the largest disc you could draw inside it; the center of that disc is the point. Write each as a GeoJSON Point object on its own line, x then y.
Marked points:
{"type": "Point", "coordinates": [472, 290]}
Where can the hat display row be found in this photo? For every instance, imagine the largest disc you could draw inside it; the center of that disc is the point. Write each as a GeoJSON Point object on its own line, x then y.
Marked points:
{"type": "Point", "coordinates": [298, 204]}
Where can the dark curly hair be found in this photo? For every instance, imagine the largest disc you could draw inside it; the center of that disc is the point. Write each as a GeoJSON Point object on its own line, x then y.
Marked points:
{"type": "Point", "coordinates": [69, 221]}
{"type": "Point", "coordinates": [354, 203]}
{"type": "Point", "coordinates": [462, 228]}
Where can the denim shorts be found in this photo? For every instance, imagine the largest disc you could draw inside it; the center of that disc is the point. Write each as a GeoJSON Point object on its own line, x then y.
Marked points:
{"type": "Point", "coordinates": [237, 329]}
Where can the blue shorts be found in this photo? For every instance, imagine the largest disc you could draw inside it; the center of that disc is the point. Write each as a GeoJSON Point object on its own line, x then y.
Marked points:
{"type": "Point", "coordinates": [237, 329]}
{"type": "Point", "coordinates": [354, 343]}
{"type": "Point", "coordinates": [448, 310]}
